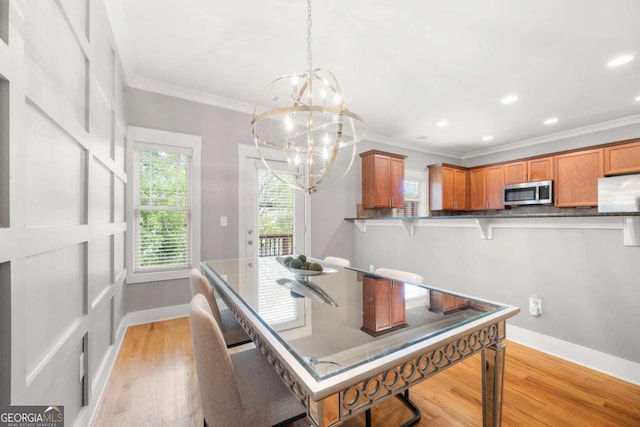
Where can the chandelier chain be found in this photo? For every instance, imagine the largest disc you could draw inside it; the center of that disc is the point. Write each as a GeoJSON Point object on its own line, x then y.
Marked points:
{"type": "Point", "coordinates": [309, 37]}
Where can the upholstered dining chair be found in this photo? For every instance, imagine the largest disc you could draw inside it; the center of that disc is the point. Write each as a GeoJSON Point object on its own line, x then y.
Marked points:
{"type": "Point", "coordinates": [239, 389]}
{"type": "Point", "coordinates": [337, 261]}
{"type": "Point", "coordinates": [404, 276]}
{"type": "Point", "coordinates": [233, 333]}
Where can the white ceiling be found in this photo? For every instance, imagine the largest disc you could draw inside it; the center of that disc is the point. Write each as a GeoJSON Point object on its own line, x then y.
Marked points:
{"type": "Point", "coordinates": [403, 65]}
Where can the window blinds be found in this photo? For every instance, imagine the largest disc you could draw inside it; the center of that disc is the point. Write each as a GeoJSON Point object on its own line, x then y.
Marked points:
{"type": "Point", "coordinates": [162, 209]}
{"type": "Point", "coordinates": [411, 198]}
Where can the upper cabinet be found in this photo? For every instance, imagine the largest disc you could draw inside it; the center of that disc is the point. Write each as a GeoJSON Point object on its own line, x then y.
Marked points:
{"type": "Point", "coordinates": [622, 159]}
{"type": "Point", "coordinates": [382, 180]}
{"type": "Point", "coordinates": [540, 169]}
{"type": "Point", "coordinates": [486, 185]}
{"type": "Point", "coordinates": [577, 176]}
{"type": "Point", "coordinates": [448, 188]}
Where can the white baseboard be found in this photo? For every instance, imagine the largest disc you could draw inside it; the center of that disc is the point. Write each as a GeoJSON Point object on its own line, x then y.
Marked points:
{"type": "Point", "coordinates": [88, 413]}
{"type": "Point", "coordinates": [157, 314]}
{"type": "Point", "coordinates": [614, 366]}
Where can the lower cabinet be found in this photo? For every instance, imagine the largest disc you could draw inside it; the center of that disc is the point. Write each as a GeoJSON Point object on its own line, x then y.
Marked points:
{"type": "Point", "coordinates": [443, 303]}
{"type": "Point", "coordinates": [383, 307]}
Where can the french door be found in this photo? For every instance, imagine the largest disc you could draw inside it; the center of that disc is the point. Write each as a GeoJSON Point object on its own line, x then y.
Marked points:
{"type": "Point", "coordinates": [274, 212]}
{"type": "Point", "coordinates": [274, 225]}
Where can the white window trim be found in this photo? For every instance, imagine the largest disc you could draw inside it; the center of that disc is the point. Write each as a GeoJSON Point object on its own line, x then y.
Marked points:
{"type": "Point", "coordinates": [138, 135]}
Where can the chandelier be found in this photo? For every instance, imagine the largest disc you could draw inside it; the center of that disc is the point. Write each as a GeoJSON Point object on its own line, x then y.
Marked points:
{"type": "Point", "coordinates": [304, 116]}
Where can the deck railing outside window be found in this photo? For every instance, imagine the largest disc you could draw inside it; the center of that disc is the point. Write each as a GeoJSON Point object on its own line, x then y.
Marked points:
{"type": "Point", "coordinates": [276, 244]}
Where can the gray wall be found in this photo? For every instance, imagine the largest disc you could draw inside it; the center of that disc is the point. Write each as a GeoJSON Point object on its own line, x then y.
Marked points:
{"type": "Point", "coordinates": [331, 235]}
{"type": "Point", "coordinates": [587, 279]}
{"type": "Point", "coordinates": [221, 131]}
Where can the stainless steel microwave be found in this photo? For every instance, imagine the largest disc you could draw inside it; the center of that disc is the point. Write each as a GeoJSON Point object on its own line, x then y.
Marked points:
{"type": "Point", "coordinates": [528, 193]}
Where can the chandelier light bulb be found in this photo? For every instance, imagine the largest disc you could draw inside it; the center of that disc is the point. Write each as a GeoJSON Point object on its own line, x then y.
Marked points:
{"type": "Point", "coordinates": [320, 147]}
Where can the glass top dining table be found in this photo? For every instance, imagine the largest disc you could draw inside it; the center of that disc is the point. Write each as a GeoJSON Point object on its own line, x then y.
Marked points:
{"type": "Point", "coordinates": [344, 339]}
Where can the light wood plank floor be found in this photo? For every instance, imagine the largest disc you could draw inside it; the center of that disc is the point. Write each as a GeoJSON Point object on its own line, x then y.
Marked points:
{"type": "Point", "coordinates": [154, 384]}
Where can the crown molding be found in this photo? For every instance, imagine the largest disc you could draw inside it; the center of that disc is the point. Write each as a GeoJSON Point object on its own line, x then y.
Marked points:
{"type": "Point", "coordinates": [188, 94]}
{"type": "Point", "coordinates": [584, 130]}
{"type": "Point", "coordinates": [395, 142]}
{"type": "Point", "coordinates": [163, 88]}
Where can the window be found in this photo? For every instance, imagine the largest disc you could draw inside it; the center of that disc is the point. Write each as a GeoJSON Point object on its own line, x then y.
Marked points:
{"type": "Point", "coordinates": [415, 194]}
{"type": "Point", "coordinates": [164, 191]}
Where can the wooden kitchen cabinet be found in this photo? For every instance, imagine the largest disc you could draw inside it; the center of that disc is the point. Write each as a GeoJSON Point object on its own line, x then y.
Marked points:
{"type": "Point", "coordinates": [486, 186]}
{"type": "Point", "coordinates": [383, 305]}
{"type": "Point", "coordinates": [448, 187]}
{"type": "Point", "coordinates": [443, 303]}
{"type": "Point", "coordinates": [622, 159]}
{"type": "Point", "coordinates": [529, 170]}
{"type": "Point", "coordinates": [576, 177]}
{"type": "Point", "coordinates": [382, 180]}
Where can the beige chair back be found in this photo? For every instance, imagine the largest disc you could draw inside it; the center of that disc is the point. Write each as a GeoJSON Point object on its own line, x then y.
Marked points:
{"type": "Point", "coordinates": [337, 261]}
{"type": "Point", "coordinates": [400, 275]}
{"type": "Point", "coordinates": [200, 285]}
{"type": "Point", "coordinates": [216, 377]}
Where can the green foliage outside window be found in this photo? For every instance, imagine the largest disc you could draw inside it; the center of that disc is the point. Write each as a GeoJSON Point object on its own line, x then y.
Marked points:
{"type": "Point", "coordinates": [275, 205]}
{"type": "Point", "coordinates": [163, 202]}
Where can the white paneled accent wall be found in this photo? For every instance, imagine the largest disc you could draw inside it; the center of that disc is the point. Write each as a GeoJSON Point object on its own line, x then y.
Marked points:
{"type": "Point", "coordinates": [62, 204]}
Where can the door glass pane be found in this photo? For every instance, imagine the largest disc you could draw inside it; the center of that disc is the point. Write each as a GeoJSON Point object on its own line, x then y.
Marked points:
{"type": "Point", "coordinates": [276, 215]}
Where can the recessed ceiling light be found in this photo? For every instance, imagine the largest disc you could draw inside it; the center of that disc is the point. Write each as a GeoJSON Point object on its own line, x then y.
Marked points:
{"type": "Point", "coordinates": [551, 120]}
{"type": "Point", "coordinates": [487, 138]}
{"type": "Point", "coordinates": [509, 99]}
{"type": "Point", "coordinates": [620, 60]}
{"type": "Point", "coordinates": [638, 98]}
{"type": "Point", "coordinates": [442, 123]}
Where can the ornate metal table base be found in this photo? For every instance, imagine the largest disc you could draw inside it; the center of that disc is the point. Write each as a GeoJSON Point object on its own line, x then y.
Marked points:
{"type": "Point", "coordinates": [364, 395]}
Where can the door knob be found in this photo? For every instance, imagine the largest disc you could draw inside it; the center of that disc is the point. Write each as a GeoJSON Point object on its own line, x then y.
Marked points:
{"type": "Point", "coordinates": [250, 242]}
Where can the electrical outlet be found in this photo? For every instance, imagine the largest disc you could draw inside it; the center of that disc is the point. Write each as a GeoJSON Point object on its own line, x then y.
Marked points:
{"type": "Point", "coordinates": [223, 221]}
{"type": "Point", "coordinates": [371, 269]}
{"type": "Point", "coordinates": [535, 306]}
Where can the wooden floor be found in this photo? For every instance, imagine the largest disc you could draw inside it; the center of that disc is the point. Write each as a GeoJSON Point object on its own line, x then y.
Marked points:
{"type": "Point", "coordinates": [154, 384]}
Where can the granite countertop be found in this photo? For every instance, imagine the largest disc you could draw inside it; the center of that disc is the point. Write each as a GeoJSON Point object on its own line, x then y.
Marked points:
{"type": "Point", "coordinates": [519, 212]}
